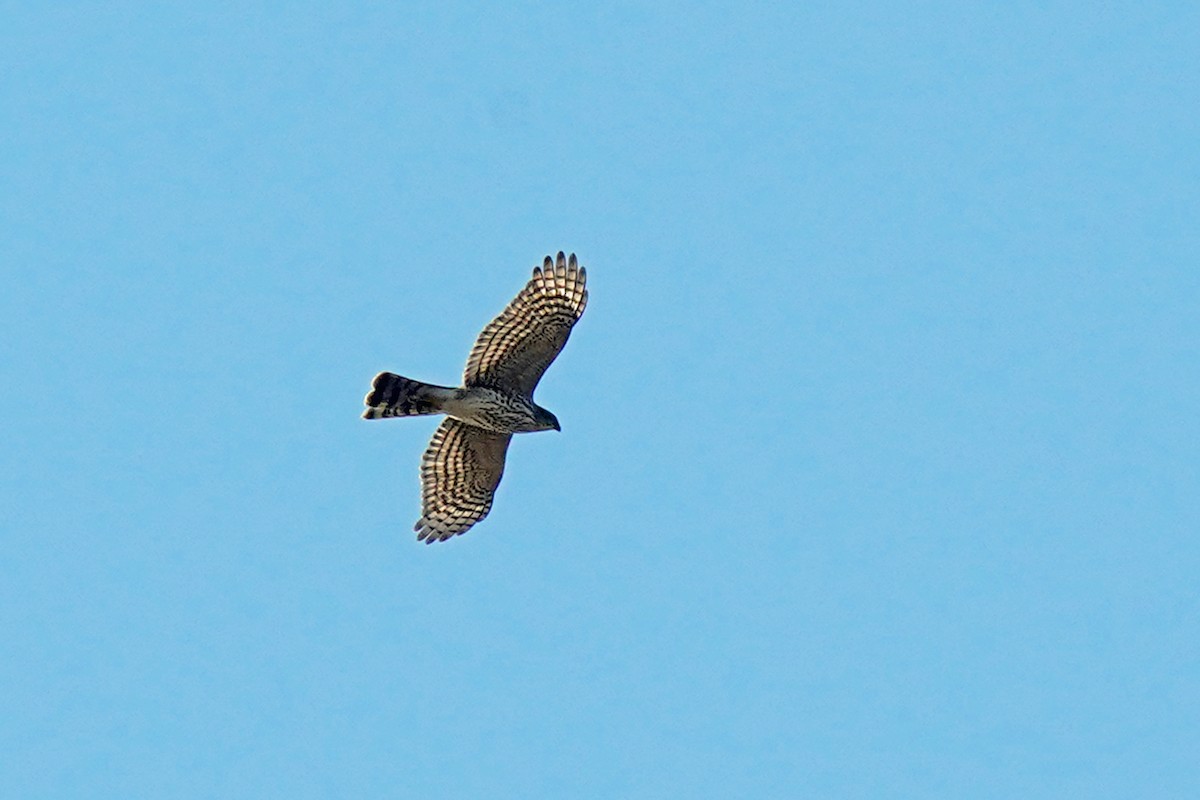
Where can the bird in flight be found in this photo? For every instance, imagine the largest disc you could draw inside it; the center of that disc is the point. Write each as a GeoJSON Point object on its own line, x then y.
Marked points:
{"type": "Point", "coordinates": [464, 462]}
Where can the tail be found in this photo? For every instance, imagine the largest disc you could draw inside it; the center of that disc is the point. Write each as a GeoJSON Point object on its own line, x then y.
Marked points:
{"type": "Point", "coordinates": [394, 396]}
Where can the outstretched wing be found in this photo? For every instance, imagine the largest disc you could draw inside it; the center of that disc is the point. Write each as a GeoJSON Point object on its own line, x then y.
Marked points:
{"type": "Point", "coordinates": [460, 471]}
{"type": "Point", "coordinates": [514, 351]}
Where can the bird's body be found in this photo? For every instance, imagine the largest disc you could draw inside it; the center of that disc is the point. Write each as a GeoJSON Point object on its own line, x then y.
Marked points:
{"type": "Point", "coordinates": [465, 459]}
{"type": "Point", "coordinates": [494, 410]}
{"type": "Point", "coordinates": [491, 409]}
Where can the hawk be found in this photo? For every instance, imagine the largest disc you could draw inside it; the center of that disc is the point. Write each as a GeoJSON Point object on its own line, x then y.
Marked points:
{"type": "Point", "coordinates": [464, 462]}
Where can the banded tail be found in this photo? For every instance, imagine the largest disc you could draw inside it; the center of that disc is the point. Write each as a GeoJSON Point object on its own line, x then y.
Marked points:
{"type": "Point", "coordinates": [394, 396]}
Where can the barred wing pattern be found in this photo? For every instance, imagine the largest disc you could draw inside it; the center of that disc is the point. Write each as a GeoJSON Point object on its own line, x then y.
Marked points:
{"type": "Point", "coordinates": [514, 350]}
{"type": "Point", "coordinates": [460, 471]}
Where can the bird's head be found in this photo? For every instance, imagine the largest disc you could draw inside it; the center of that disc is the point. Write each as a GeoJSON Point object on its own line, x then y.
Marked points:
{"type": "Point", "coordinates": [546, 421]}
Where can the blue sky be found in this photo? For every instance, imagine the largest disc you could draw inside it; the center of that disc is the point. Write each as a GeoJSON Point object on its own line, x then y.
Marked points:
{"type": "Point", "coordinates": [878, 472]}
